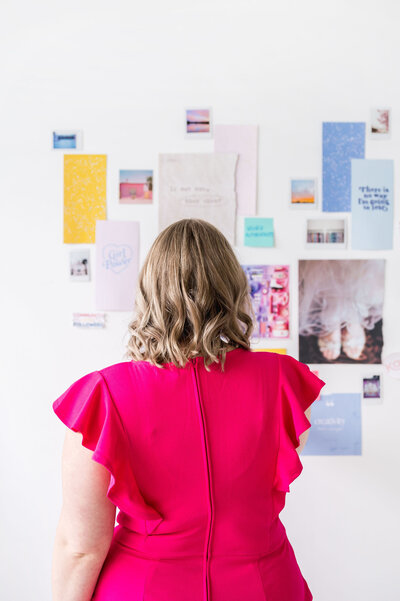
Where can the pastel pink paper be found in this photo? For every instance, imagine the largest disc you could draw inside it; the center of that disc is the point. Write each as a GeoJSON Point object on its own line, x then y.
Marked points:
{"type": "Point", "coordinates": [242, 139]}
{"type": "Point", "coordinates": [115, 286]}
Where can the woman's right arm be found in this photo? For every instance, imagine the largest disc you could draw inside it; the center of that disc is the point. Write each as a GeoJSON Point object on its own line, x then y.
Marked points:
{"type": "Point", "coordinates": [303, 437]}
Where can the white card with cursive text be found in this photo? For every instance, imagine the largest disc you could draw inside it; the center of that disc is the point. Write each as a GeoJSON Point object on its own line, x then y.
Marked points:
{"type": "Point", "coordinates": [198, 185]}
{"type": "Point", "coordinates": [117, 263]}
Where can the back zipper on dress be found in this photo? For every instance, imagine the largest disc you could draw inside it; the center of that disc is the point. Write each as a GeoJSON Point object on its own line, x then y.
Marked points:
{"type": "Point", "coordinates": [206, 454]}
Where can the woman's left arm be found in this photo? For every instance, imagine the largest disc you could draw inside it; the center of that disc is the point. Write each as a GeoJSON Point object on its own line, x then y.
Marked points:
{"type": "Point", "coordinates": [86, 524]}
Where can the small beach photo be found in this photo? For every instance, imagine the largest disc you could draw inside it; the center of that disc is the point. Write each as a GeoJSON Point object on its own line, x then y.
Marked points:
{"type": "Point", "coordinates": [67, 139]}
{"type": "Point", "coordinates": [198, 123]}
{"type": "Point", "coordinates": [303, 193]}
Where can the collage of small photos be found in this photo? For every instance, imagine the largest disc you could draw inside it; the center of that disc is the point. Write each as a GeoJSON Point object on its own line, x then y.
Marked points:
{"type": "Point", "coordinates": [340, 307]}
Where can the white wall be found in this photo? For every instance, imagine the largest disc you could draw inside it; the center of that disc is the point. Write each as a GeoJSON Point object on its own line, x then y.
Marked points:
{"type": "Point", "coordinates": [123, 74]}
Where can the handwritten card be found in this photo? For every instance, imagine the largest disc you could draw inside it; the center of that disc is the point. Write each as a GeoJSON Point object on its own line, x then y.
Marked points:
{"type": "Point", "coordinates": [89, 320]}
{"type": "Point", "coordinates": [372, 204]}
{"type": "Point", "coordinates": [117, 261]}
{"type": "Point", "coordinates": [198, 185]}
{"type": "Point", "coordinates": [241, 139]}
{"type": "Point", "coordinates": [258, 231]}
{"type": "Point", "coordinates": [341, 142]}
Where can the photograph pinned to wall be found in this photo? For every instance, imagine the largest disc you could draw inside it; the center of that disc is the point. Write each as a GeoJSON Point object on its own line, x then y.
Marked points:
{"type": "Point", "coordinates": [79, 265]}
{"type": "Point", "coordinates": [372, 204]}
{"type": "Point", "coordinates": [198, 123]}
{"type": "Point", "coordinates": [303, 193]}
{"type": "Point", "coordinates": [380, 123]}
{"type": "Point", "coordinates": [67, 139]}
{"type": "Point", "coordinates": [335, 425]}
{"type": "Point", "coordinates": [135, 186]}
{"type": "Point", "coordinates": [243, 140]}
{"type": "Point", "coordinates": [198, 185]}
{"type": "Point", "coordinates": [326, 233]}
{"type": "Point", "coordinates": [372, 388]}
{"type": "Point", "coordinates": [117, 264]}
{"type": "Point", "coordinates": [269, 291]}
{"type": "Point", "coordinates": [89, 320]}
{"type": "Point", "coordinates": [341, 142]}
{"type": "Point", "coordinates": [341, 310]}
{"type": "Point", "coordinates": [84, 196]}
{"type": "Point", "coordinates": [259, 232]}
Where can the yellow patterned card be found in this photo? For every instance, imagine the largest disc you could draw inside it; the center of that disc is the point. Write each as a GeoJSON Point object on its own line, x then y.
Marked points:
{"type": "Point", "coordinates": [84, 196]}
{"type": "Point", "coordinates": [280, 351]}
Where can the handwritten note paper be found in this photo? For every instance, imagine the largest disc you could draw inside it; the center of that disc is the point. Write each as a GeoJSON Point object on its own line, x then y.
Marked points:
{"type": "Point", "coordinates": [372, 204]}
{"type": "Point", "coordinates": [258, 231]}
{"type": "Point", "coordinates": [198, 185]}
{"type": "Point", "coordinates": [117, 260]}
{"type": "Point", "coordinates": [341, 142]}
{"type": "Point", "coordinates": [89, 320]}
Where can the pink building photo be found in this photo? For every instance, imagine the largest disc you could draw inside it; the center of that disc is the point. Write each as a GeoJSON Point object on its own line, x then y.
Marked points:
{"type": "Point", "coordinates": [135, 186]}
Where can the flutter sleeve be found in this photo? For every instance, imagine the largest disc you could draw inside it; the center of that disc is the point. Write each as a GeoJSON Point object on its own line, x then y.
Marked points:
{"type": "Point", "coordinates": [87, 407]}
{"type": "Point", "coordinates": [298, 388]}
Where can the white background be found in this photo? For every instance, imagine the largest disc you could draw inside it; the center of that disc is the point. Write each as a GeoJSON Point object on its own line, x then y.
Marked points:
{"type": "Point", "coordinates": [123, 74]}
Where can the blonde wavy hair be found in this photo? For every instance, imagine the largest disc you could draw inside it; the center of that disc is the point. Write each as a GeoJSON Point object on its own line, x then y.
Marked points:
{"type": "Point", "coordinates": [192, 298]}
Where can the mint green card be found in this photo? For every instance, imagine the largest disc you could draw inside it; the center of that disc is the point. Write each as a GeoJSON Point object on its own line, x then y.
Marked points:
{"type": "Point", "coordinates": [258, 231]}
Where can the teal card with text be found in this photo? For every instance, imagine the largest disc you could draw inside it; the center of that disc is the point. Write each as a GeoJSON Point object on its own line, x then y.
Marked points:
{"type": "Point", "coordinates": [259, 231]}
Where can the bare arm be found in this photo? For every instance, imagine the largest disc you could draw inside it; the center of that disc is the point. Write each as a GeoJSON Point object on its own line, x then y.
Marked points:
{"type": "Point", "coordinates": [86, 524]}
{"type": "Point", "coordinates": [304, 436]}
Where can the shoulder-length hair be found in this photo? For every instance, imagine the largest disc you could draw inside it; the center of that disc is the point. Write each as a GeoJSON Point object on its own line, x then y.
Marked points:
{"type": "Point", "coordinates": [192, 298]}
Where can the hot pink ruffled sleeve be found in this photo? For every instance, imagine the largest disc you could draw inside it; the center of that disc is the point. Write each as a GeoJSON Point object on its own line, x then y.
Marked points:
{"type": "Point", "coordinates": [87, 407]}
{"type": "Point", "coordinates": [298, 388]}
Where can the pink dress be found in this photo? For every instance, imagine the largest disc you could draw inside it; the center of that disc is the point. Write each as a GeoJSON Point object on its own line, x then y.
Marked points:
{"type": "Point", "coordinates": [200, 466]}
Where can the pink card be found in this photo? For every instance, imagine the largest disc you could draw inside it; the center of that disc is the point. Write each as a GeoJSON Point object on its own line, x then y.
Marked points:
{"type": "Point", "coordinates": [117, 264]}
{"type": "Point", "coordinates": [242, 139]}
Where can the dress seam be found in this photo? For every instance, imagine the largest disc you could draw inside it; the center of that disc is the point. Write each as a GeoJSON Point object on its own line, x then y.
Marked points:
{"type": "Point", "coordinates": [208, 471]}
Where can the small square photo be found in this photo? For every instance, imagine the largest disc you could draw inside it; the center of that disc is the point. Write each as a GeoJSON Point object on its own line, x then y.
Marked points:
{"type": "Point", "coordinates": [303, 193]}
{"type": "Point", "coordinates": [326, 233]}
{"type": "Point", "coordinates": [67, 139]}
{"type": "Point", "coordinates": [198, 123]}
{"type": "Point", "coordinates": [135, 186]}
{"type": "Point", "coordinates": [372, 387]}
{"type": "Point", "coordinates": [79, 265]}
{"type": "Point", "coordinates": [380, 123]}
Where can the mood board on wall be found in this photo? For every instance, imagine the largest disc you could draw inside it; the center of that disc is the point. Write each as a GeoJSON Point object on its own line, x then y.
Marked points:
{"type": "Point", "coordinates": [340, 300]}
